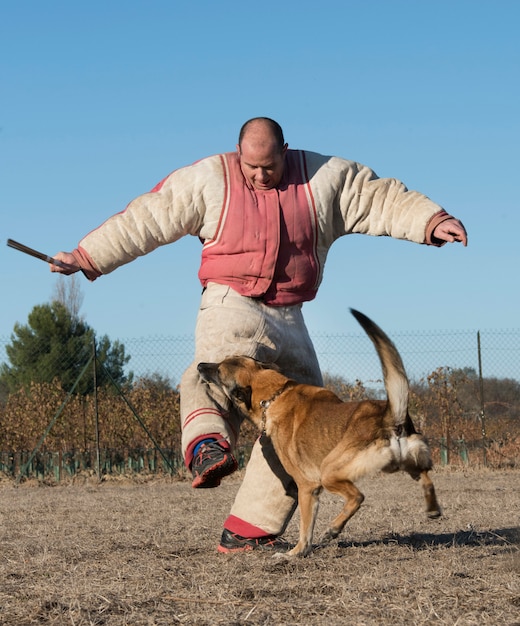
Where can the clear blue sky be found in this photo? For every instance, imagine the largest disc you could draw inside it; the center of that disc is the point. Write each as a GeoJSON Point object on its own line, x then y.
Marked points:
{"type": "Point", "coordinates": [100, 100]}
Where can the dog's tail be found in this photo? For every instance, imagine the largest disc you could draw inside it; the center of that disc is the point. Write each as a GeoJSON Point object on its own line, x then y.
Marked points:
{"type": "Point", "coordinates": [396, 381]}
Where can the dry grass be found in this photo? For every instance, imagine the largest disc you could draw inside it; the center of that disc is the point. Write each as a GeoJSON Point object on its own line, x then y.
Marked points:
{"type": "Point", "coordinates": [132, 553]}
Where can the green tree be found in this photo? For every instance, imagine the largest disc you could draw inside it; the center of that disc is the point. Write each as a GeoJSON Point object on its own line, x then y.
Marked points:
{"type": "Point", "coordinates": [56, 344]}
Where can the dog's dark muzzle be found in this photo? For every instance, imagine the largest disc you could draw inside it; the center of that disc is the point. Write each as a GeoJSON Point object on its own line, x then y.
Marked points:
{"type": "Point", "coordinates": [208, 371]}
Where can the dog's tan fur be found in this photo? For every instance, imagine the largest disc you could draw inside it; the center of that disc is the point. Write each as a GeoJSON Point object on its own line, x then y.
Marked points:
{"type": "Point", "coordinates": [323, 442]}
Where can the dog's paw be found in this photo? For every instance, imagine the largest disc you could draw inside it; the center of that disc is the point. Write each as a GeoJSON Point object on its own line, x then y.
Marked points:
{"type": "Point", "coordinates": [299, 551]}
{"type": "Point", "coordinates": [329, 535]}
{"type": "Point", "coordinates": [281, 557]}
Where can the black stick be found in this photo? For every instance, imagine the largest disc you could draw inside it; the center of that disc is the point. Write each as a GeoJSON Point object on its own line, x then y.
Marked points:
{"type": "Point", "coordinates": [37, 255]}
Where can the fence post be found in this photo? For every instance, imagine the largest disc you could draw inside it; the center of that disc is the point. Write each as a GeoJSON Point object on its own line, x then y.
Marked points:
{"type": "Point", "coordinates": [444, 451]}
{"type": "Point", "coordinates": [56, 461]}
{"type": "Point", "coordinates": [96, 409]}
{"type": "Point", "coordinates": [482, 405]}
{"type": "Point", "coordinates": [463, 450]}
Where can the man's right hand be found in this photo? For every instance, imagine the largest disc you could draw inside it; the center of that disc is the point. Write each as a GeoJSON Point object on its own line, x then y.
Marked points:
{"type": "Point", "coordinates": [69, 260]}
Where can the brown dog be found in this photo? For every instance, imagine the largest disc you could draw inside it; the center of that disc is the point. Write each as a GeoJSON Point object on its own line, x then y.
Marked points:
{"type": "Point", "coordinates": [323, 442]}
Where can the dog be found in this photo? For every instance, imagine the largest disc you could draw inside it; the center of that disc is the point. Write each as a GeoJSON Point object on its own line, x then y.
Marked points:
{"type": "Point", "coordinates": [325, 443]}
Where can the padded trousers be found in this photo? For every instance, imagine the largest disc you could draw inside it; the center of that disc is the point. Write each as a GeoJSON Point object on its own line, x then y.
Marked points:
{"type": "Point", "coordinates": [230, 324]}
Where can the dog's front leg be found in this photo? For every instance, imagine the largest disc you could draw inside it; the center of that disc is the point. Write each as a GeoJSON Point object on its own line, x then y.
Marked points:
{"type": "Point", "coordinates": [308, 501]}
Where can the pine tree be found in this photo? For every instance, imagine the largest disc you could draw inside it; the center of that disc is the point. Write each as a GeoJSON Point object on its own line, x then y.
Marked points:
{"type": "Point", "coordinates": [56, 344]}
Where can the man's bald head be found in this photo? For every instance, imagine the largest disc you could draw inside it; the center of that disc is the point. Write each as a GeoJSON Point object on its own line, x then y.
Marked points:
{"type": "Point", "coordinates": [261, 149]}
{"type": "Point", "coordinates": [266, 125]}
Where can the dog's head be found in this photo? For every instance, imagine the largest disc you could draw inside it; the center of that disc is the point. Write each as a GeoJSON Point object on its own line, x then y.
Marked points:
{"type": "Point", "coordinates": [236, 377]}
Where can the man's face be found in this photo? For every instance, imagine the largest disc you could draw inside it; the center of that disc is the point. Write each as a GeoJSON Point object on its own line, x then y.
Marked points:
{"type": "Point", "coordinates": [261, 160]}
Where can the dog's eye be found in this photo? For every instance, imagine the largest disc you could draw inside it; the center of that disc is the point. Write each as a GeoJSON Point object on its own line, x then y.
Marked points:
{"type": "Point", "coordinates": [243, 395]}
{"type": "Point", "coordinates": [238, 393]}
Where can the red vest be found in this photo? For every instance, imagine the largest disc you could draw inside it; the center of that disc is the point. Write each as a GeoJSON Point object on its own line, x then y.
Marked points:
{"type": "Point", "coordinates": [265, 243]}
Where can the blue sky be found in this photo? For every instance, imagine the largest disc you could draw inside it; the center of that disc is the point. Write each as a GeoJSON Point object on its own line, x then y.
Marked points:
{"type": "Point", "coordinates": [100, 100]}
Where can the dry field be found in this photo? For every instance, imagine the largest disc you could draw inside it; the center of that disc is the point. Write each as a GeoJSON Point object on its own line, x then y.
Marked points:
{"type": "Point", "coordinates": [143, 553]}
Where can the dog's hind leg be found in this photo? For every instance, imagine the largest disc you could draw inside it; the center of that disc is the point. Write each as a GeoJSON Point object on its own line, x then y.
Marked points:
{"type": "Point", "coordinates": [433, 508]}
{"type": "Point", "coordinates": [353, 500]}
{"type": "Point", "coordinates": [416, 461]}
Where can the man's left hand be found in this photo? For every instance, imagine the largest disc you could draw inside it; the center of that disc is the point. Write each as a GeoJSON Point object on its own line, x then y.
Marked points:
{"type": "Point", "coordinates": [451, 230]}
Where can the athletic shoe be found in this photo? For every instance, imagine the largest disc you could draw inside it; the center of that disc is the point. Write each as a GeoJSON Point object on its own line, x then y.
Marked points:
{"type": "Point", "coordinates": [231, 542]}
{"type": "Point", "coordinates": [211, 464]}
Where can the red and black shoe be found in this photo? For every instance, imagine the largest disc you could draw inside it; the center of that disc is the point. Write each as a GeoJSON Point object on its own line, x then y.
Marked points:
{"type": "Point", "coordinates": [211, 464]}
{"type": "Point", "coordinates": [231, 542]}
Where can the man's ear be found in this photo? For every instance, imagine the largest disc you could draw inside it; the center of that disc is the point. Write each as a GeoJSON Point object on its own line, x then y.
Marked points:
{"type": "Point", "coordinates": [243, 395]}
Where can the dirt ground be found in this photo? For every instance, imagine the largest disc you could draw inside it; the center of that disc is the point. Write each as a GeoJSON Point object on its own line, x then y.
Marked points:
{"type": "Point", "coordinates": [143, 552]}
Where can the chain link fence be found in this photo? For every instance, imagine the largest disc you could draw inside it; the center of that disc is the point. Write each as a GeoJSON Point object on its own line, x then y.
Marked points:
{"type": "Point", "coordinates": [352, 356]}
{"type": "Point", "coordinates": [480, 416]}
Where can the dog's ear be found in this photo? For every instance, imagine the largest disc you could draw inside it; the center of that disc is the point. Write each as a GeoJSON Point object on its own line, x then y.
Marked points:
{"type": "Point", "coordinates": [269, 366]}
{"type": "Point", "coordinates": [242, 395]}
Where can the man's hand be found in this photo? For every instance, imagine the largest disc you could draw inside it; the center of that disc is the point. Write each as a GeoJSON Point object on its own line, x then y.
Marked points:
{"type": "Point", "coordinates": [451, 230]}
{"type": "Point", "coordinates": [69, 260]}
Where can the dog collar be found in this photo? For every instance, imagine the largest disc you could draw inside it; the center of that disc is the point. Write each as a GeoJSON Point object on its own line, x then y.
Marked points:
{"type": "Point", "coordinates": [265, 404]}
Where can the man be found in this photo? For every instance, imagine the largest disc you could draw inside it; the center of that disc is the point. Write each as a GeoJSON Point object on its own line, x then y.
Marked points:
{"type": "Point", "coordinates": [267, 217]}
